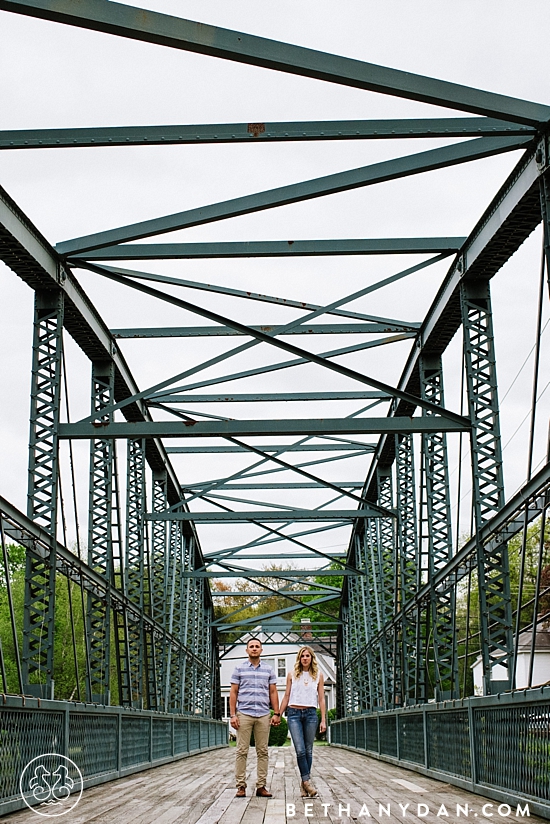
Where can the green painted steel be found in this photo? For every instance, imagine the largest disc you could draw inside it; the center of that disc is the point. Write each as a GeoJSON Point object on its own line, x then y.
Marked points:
{"type": "Point", "coordinates": [42, 496]}
{"type": "Point", "coordinates": [100, 539]}
{"type": "Point", "coordinates": [495, 606]}
{"type": "Point", "coordinates": [225, 331]}
{"type": "Point", "coordinates": [297, 193]}
{"type": "Point", "coordinates": [105, 742]}
{"type": "Point", "coordinates": [494, 746]}
{"type": "Point", "coordinates": [299, 426]}
{"type": "Point", "coordinates": [439, 538]}
{"type": "Point", "coordinates": [262, 132]}
{"type": "Point", "coordinates": [274, 248]}
{"type": "Point", "coordinates": [175, 32]}
{"type": "Point", "coordinates": [396, 634]}
{"type": "Point", "coordinates": [134, 572]}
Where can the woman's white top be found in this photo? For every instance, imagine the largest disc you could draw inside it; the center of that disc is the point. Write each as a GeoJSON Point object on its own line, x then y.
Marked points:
{"type": "Point", "coordinates": [303, 692]}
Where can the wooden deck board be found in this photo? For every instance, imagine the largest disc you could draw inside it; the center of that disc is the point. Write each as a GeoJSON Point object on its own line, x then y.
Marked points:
{"type": "Point", "coordinates": [201, 790]}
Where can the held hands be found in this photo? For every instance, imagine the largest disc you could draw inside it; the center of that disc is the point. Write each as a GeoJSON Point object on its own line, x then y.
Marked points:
{"type": "Point", "coordinates": [275, 720]}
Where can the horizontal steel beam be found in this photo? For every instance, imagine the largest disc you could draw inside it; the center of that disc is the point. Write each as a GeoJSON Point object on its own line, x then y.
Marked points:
{"type": "Point", "coordinates": [300, 485]}
{"type": "Point", "coordinates": [220, 429]}
{"type": "Point", "coordinates": [177, 33]}
{"type": "Point", "coordinates": [273, 248]}
{"type": "Point", "coordinates": [274, 397]}
{"type": "Point", "coordinates": [226, 331]}
{"type": "Point", "coordinates": [306, 447]}
{"type": "Point", "coordinates": [326, 516]}
{"type": "Point", "coordinates": [300, 192]}
{"type": "Point", "coordinates": [275, 573]}
{"type": "Point", "coordinates": [212, 558]}
{"type": "Point", "coordinates": [258, 132]}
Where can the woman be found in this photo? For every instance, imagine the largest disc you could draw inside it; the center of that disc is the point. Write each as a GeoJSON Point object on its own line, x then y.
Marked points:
{"type": "Point", "coordinates": [304, 691]}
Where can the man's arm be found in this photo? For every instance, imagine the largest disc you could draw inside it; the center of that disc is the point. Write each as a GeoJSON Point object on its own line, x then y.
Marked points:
{"type": "Point", "coordinates": [233, 705]}
{"type": "Point", "coordinates": [274, 701]}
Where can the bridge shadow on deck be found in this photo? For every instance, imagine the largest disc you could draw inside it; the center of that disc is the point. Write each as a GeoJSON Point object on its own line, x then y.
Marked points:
{"type": "Point", "coordinates": [200, 790]}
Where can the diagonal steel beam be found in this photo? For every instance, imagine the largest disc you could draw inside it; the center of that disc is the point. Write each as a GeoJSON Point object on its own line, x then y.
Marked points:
{"type": "Point", "coordinates": [280, 365]}
{"type": "Point", "coordinates": [295, 304]}
{"type": "Point", "coordinates": [283, 611]}
{"type": "Point", "coordinates": [263, 540]}
{"type": "Point", "coordinates": [187, 35]}
{"type": "Point", "coordinates": [279, 330]}
{"type": "Point", "coordinates": [288, 347]}
{"type": "Point", "coordinates": [228, 553]}
{"type": "Point", "coordinates": [238, 594]}
{"type": "Point", "coordinates": [258, 132]}
{"type": "Point", "coordinates": [299, 192]}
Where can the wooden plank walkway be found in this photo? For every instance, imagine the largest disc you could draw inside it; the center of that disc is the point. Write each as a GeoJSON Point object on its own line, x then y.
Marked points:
{"type": "Point", "coordinates": [200, 790]}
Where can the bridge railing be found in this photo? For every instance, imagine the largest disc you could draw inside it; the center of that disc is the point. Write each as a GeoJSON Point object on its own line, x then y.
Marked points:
{"type": "Point", "coordinates": [104, 742]}
{"type": "Point", "coordinates": [497, 746]}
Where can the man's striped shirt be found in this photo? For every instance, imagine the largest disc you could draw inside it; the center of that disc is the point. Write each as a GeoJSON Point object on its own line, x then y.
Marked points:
{"type": "Point", "coordinates": [253, 696]}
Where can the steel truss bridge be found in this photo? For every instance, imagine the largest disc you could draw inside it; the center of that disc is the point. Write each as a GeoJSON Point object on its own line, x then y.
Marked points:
{"type": "Point", "coordinates": [139, 578]}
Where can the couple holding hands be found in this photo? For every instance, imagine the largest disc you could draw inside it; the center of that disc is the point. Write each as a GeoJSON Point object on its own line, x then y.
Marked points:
{"type": "Point", "coordinates": [254, 691]}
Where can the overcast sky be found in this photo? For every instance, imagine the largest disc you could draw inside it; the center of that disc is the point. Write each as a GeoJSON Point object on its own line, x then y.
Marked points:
{"type": "Point", "coordinates": [57, 76]}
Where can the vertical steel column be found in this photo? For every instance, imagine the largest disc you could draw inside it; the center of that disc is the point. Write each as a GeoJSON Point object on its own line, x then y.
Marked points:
{"type": "Point", "coordinates": [368, 552]}
{"type": "Point", "coordinates": [200, 646]}
{"type": "Point", "coordinates": [172, 618]}
{"type": "Point", "coordinates": [386, 585]}
{"type": "Point", "coordinates": [38, 626]}
{"type": "Point", "coordinates": [438, 500]}
{"type": "Point", "coordinates": [414, 680]}
{"type": "Point", "coordinates": [100, 538]}
{"type": "Point", "coordinates": [340, 666]}
{"type": "Point", "coordinates": [355, 643]}
{"type": "Point", "coordinates": [177, 699]}
{"type": "Point", "coordinates": [544, 189]}
{"type": "Point", "coordinates": [377, 649]}
{"type": "Point", "coordinates": [346, 690]}
{"type": "Point", "coordinates": [488, 484]}
{"type": "Point", "coordinates": [158, 582]}
{"type": "Point", "coordinates": [134, 565]}
{"type": "Point", "coordinates": [187, 636]}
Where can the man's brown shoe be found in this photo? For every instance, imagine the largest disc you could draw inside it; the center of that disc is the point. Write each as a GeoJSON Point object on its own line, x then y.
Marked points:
{"type": "Point", "coordinates": [241, 792]}
{"type": "Point", "coordinates": [263, 793]}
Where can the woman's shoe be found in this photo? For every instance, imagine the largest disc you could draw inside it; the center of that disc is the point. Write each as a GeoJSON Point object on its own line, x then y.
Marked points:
{"type": "Point", "coordinates": [309, 788]}
{"type": "Point", "coordinates": [303, 791]}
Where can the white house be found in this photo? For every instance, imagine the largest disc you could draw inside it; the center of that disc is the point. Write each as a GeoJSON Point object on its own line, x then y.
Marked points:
{"type": "Point", "coordinates": [541, 663]}
{"type": "Point", "coordinates": [280, 655]}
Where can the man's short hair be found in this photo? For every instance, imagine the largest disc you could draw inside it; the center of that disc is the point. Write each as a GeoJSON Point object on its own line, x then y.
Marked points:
{"type": "Point", "coordinates": [253, 639]}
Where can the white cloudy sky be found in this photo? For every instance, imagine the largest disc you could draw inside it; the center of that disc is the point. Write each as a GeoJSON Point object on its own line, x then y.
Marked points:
{"type": "Point", "coordinates": [55, 76]}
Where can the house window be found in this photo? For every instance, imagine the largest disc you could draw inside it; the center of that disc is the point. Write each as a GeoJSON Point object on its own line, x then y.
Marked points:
{"type": "Point", "coordinates": [281, 667]}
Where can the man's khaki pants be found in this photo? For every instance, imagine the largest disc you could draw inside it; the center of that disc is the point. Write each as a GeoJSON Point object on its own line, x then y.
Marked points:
{"type": "Point", "coordinates": [261, 725]}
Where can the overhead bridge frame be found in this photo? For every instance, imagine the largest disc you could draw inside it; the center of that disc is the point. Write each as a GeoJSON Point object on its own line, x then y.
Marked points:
{"type": "Point", "coordinates": [152, 632]}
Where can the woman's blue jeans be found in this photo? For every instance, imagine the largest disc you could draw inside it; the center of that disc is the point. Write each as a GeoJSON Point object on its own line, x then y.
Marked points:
{"type": "Point", "coordinates": [303, 726]}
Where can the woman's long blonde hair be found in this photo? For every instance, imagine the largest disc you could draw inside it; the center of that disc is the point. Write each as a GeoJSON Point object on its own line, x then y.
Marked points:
{"type": "Point", "coordinates": [313, 667]}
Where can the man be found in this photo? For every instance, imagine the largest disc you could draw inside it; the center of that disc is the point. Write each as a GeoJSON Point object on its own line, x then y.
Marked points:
{"type": "Point", "coordinates": [253, 690]}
